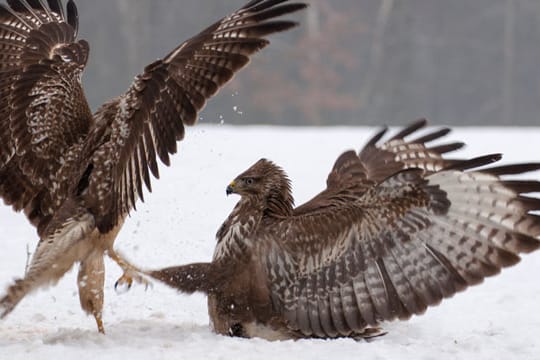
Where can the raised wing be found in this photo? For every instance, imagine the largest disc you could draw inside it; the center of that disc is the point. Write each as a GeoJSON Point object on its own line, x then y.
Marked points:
{"type": "Point", "coordinates": [148, 120]}
{"type": "Point", "coordinates": [406, 244]}
{"type": "Point", "coordinates": [354, 173]}
{"type": "Point", "coordinates": [44, 116]}
{"type": "Point", "coordinates": [398, 153]}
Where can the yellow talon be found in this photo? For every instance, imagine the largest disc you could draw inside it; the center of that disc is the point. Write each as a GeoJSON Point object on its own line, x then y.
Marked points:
{"type": "Point", "coordinates": [131, 274]}
{"type": "Point", "coordinates": [99, 323]}
{"type": "Point", "coordinates": [124, 283]}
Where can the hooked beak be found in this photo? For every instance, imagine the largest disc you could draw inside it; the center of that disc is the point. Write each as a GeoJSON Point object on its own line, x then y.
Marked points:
{"type": "Point", "coordinates": [230, 188]}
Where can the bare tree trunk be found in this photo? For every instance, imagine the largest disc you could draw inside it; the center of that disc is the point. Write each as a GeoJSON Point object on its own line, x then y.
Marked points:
{"type": "Point", "coordinates": [509, 51]}
{"type": "Point", "coordinates": [377, 52]}
{"type": "Point", "coordinates": [313, 23]}
{"type": "Point", "coordinates": [133, 14]}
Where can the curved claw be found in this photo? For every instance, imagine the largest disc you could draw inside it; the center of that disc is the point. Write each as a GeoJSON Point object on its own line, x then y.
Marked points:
{"type": "Point", "coordinates": [122, 286]}
{"type": "Point", "coordinates": [124, 283]}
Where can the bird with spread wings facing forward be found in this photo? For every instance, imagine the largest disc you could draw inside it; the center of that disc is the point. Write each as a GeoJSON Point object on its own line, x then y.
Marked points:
{"type": "Point", "coordinates": [398, 228]}
{"type": "Point", "coordinates": [77, 175]}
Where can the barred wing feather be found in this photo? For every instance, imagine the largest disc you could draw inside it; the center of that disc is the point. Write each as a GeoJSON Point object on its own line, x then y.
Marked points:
{"type": "Point", "coordinates": [149, 119]}
{"type": "Point", "coordinates": [407, 243]}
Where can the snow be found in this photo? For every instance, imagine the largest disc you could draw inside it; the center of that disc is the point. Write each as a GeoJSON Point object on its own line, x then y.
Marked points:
{"type": "Point", "coordinates": [177, 224]}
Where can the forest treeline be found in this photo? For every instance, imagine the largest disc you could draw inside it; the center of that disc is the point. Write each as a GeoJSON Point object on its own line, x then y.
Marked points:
{"type": "Point", "coordinates": [362, 62]}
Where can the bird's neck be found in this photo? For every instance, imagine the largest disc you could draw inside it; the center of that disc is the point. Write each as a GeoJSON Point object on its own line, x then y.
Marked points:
{"type": "Point", "coordinates": [278, 204]}
{"type": "Point", "coordinates": [236, 234]}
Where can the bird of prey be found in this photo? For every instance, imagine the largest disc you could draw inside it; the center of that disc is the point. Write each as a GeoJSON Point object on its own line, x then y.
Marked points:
{"type": "Point", "coordinates": [77, 175]}
{"type": "Point", "coordinates": [398, 228]}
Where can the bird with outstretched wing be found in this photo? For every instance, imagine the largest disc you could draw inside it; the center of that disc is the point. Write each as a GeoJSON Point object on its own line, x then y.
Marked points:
{"type": "Point", "coordinates": [77, 175]}
{"type": "Point", "coordinates": [398, 228]}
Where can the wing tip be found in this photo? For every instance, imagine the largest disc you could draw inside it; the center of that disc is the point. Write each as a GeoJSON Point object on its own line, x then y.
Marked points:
{"type": "Point", "coordinates": [474, 162]}
{"type": "Point", "coordinates": [514, 169]}
{"type": "Point", "coordinates": [73, 16]}
{"type": "Point", "coordinates": [408, 130]}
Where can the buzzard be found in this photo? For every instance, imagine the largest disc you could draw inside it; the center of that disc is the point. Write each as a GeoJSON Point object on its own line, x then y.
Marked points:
{"type": "Point", "coordinates": [398, 228]}
{"type": "Point", "coordinates": [77, 175]}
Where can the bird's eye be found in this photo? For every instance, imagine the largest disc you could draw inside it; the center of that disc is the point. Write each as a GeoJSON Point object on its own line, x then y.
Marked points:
{"type": "Point", "coordinates": [249, 181]}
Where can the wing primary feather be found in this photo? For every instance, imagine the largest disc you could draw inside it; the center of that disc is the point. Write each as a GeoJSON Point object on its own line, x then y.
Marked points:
{"type": "Point", "coordinates": [161, 145]}
{"type": "Point", "coordinates": [132, 187]}
{"type": "Point", "coordinates": [11, 9]}
{"type": "Point", "coordinates": [302, 316]}
{"type": "Point", "coordinates": [474, 163]}
{"type": "Point", "coordinates": [446, 148]}
{"type": "Point", "coordinates": [350, 307]}
{"type": "Point", "coordinates": [395, 307]}
{"type": "Point", "coordinates": [432, 136]}
{"type": "Point", "coordinates": [421, 277]}
{"type": "Point", "coordinates": [138, 174]}
{"type": "Point", "coordinates": [459, 282]}
{"type": "Point", "coordinates": [35, 4]}
{"type": "Point", "coordinates": [16, 5]}
{"type": "Point", "coordinates": [527, 244]}
{"type": "Point", "coordinates": [313, 308]}
{"type": "Point", "coordinates": [45, 8]}
{"type": "Point", "coordinates": [276, 12]}
{"type": "Point", "coordinates": [402, 298]}
{"type": "Point", "coordinates": [7, 12]}
{"type": "Point", "coordinates": [529, 203]}
{"type": "Point", "coordinates": [256, 6]}
{"type": "Point", "coordinates": [28, 6]}
{"type": "Point", "coordinates": [417, 125]}
{"type": "Point", "coordinates": [263, 29]}
{"type": "Point", "coordinates": [513, 169]}
{"type": "Point", "coordinates": [336, 312]}
{"type": "Point", "coordinates": [250, 4]}
{"type": "Point", "coordinates": [57, 7]}
{"type": "Point", "coordinates": [375, 139]}
{"type": "Point", "coordinates": [324, 306]}
{"type": "Point", "coordinates": [151, 151]}
{"type": "Point", "coordinates": [144, 164]}
{"type": "Point", "coordinates": [364, 301]}
{"type": "Point", "coordinates": [73, 16]}
{"type": "Point", "coordinates": [123, 195]}
{"type": "Point", "coordinates": [38, 5]}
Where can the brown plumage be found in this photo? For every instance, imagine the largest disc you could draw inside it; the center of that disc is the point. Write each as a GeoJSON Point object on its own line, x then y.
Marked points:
{"type": "Point", "coordinates": [77, 175]}
{"type": "Point", "coordinates": [398, 228]}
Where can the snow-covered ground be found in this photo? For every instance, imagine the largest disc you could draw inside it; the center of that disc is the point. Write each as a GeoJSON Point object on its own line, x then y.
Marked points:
{"type": "Point", "coordinates": [496, 320]}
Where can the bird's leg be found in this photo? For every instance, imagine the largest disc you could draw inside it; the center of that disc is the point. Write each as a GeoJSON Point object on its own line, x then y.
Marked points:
{"type": "Point", "coordinates": [91, 280]}
{"type": "Point", "coordinates": [131, 273]}
{"type": "Point", "coordinates": [99, 322]}
{"type": "Point", "coordinates": [54, 256]}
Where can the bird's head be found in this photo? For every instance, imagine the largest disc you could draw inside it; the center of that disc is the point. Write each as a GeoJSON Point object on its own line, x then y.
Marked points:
{"type": "Point", "coordinates": [261, 178]}
{"type": "Point", "coordinates": [264, 180]}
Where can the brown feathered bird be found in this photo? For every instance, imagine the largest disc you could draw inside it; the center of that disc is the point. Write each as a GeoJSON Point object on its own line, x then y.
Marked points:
{"type": "Point", "coordinates": [398, 229]}
{"type": "Point", "coordinates": [77, 175]}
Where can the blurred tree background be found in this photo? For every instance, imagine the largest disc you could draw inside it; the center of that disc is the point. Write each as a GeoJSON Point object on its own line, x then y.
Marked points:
{"type": "Point", "coordinates": [361, 62]}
